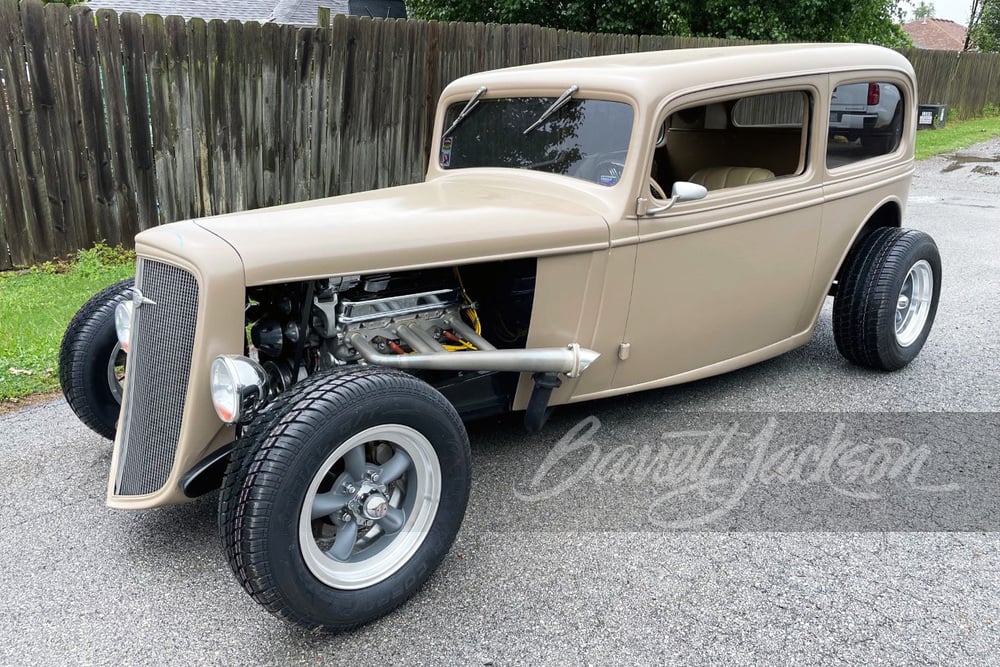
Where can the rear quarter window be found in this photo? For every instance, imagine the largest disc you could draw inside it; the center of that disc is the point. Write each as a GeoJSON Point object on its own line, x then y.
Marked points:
{"type": "Point", "coordinates": [866, 121]}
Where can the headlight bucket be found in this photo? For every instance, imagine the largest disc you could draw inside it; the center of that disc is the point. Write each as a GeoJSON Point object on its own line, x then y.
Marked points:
{"type": "Point", "coordinates": [123, 323]}
{"type": "Point", "coordinates": [239, 388]}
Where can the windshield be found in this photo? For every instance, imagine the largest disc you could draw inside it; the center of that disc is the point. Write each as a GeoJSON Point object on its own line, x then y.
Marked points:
{"type": "Point", "coordinates": [585, 139]}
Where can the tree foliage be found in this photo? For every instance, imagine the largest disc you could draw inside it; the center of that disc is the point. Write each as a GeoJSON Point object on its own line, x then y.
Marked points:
{"type": "Point", "coordinates": [874, 21]}
{"type": "Point", "coordinates": [923, 10]}
{"type": "Point", "coordinates": [984, 26]}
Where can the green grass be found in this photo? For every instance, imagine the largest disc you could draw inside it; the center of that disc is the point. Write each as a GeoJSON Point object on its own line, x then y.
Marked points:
{"type": "Point", "coordinates": [36, 304]}
{"type": "Point", "coordinates": [955, 136]}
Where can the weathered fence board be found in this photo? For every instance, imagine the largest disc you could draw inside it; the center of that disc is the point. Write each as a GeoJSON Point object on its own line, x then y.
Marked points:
{"type": "Point", "coordinates": [183, 109]}
{"type": "Point", "coordinates": [162, 117]}
{"type": "Point", "coordinates": [78, 197]}
{"type": "Point", "coordinates": [10, 189]}
{"type": "Point", "coordinates": [13, 180]}
{"type": "Point", "coordinates": [253, 175]}
{"type": "Point", "coordinates": [140, 133]}
{"type": "Point", "coordinates": [67, 201]}
{"type": "Point", "coordinates": [224, 117]}
{"type": "Point", "coordinates": [201, 113]}
{"type": "Point", "coordinates": [270, 138]}
{"type": "Point", "coordinates": [122, 195]}
{"type": "Point", "coordinates": [112, 124]}
{"type": "Point", "coordinates": [43, 95]}
{"type": "Point", "coordinates": [319, 118]}
{"type": "Point", "coordinates": [37, 222]}
{"type": "Point", "coordinates": [301, 146]}
{"type": "Point", "coordinates": [96, 159]}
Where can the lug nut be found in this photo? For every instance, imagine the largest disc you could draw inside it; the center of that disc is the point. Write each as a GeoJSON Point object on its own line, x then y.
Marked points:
{"type": "Point", "coordinates": [374, 476]}
{"type": "Point", "coordinates": [350, 488]}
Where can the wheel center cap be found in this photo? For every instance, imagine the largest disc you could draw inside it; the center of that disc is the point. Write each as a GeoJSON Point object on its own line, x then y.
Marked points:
{"type": "Point", "coordinates": [903, 303]}
{"type": "Point", "coordinates": [376, 506]}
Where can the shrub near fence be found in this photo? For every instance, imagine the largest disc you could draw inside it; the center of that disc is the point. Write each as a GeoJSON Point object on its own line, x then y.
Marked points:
{"type": "Point", "coordinates": [110, 125]}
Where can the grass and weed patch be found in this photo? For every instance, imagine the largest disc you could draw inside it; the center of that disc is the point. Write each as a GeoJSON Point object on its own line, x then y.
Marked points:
{"type": "Point", "coordinates": [956, 135]}
{"type": "Point", "coordinates": [37, 303]}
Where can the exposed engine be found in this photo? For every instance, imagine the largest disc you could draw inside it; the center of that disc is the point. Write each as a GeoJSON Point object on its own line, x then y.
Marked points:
{"type": "Point", "coordinates": [296, 329]}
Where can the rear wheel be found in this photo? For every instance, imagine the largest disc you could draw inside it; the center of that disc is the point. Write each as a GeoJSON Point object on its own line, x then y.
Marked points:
{"type": "Point", "coordinates": [345, 496]}
{"type": "Point", "coordinates": [885, 307]}
{"type": "Point", "coordinates": [92, 363]}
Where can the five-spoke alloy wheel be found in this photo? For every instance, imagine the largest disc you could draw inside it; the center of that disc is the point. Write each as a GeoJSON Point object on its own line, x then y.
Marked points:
{"type": "Point", "coordinates": [369, 506]}
{"type": "Point", "coordinates": [344, 495]}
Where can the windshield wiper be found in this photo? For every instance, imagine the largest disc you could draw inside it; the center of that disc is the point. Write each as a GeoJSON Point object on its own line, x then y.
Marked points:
{"type": "Point", "coordinates": [464, 113]}
{"type": "Point", "coordinates": [556, 106]}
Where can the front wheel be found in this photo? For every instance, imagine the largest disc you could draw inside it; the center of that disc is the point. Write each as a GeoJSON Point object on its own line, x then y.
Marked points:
{"type": "Point", "coordinates": [344, 496]}
{"type": "Point", "coordinates": [92, 363]}
{"type": "Point", "coordinates": [884, 310]}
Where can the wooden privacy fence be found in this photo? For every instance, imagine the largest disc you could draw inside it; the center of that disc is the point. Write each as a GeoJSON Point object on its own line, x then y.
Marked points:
{"type": "Point", "coordinates": [966, 82]}
{"type": "Point", "coordinates": [112, 124]}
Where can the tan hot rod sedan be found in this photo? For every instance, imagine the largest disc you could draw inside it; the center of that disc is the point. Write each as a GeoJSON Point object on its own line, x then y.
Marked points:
{"type": "Point", "coordinates": [587, 228]}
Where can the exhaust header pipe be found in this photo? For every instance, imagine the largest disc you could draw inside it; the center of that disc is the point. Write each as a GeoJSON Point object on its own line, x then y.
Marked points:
{"type": "Point", "coordinates": [571, 360]}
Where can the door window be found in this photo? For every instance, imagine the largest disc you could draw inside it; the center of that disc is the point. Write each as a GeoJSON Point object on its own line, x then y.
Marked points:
{"type": "Point", "coordinates": [740, 141]}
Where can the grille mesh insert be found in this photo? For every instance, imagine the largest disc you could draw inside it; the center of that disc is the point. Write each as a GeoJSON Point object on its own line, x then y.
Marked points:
{"type": "Point", "coordinates": [162, 343]}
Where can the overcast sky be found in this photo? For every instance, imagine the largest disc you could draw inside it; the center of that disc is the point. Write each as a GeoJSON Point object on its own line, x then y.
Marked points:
{"type": "Point", "coordinates": [954, 10]}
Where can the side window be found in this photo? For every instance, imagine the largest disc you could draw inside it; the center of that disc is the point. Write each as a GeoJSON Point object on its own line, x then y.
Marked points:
{"type": "Point", "coordinates": [866, 121]}
{"type": "Point", "coordinates": [735, 142]}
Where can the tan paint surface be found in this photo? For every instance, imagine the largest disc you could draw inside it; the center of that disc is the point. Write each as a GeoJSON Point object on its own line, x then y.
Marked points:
{"type": "Point", "coordinates": [468, 217]}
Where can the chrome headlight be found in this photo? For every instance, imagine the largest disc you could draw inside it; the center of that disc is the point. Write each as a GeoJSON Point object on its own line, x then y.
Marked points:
{"type": "Point", "coordinates": [123, 323]}
{"type": "Point", "coordinates": [239, 388]}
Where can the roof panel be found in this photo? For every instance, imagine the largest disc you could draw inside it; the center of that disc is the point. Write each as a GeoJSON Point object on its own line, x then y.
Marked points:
{"type": "Point", "coordinates": [654, 74]}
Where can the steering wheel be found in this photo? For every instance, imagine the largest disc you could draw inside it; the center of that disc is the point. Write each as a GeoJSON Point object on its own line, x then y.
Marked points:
{"type": "Point", "coordinates": [607, 169]}
{"type": "Point", "coordinates": [658, 192]}
{"type": "Point", "coordinates": [603, 168]}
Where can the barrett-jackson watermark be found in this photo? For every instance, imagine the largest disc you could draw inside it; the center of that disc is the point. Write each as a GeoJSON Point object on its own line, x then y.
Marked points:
{"type": "Point", "coordinates": [708, 472]}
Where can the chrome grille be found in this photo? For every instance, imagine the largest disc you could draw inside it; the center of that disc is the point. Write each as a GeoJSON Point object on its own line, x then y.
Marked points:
{"type": "Point", "coordinates": [157, 380]}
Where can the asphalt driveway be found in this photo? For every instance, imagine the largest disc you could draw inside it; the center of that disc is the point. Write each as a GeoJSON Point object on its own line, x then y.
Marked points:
{"type": "Point", "coordinates": [577, 549]}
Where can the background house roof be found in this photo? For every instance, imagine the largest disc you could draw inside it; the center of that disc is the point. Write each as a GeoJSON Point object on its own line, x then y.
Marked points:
{"type": "Point", "coordinates": [304, 12]}
{"type": "Point", "coordinates": [301, 12]}
{"type": "Point", "coordinates": [941, 34]}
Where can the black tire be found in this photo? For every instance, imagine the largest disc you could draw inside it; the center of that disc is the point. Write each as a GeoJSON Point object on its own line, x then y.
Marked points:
{"type": "Point", "coordinates": [275, 469]}
{"type": "Point", "coordinates": [878, 144]}
{"type": "Point", "coordinates": [865, 308]}
{"type": "Point", "coordinates": [86, 349]}
{"type": "Point", "coordinates": [882, 144]}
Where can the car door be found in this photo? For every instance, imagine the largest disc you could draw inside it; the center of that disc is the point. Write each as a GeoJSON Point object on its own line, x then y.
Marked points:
{"type": "Point", "coordinates": [723, 281]}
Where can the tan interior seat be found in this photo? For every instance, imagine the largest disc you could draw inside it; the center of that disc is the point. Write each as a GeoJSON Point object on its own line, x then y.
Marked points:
{"type": "Point", "coordinates": [717, 178]}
